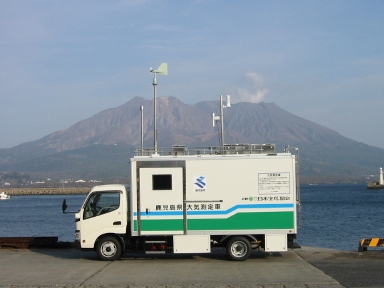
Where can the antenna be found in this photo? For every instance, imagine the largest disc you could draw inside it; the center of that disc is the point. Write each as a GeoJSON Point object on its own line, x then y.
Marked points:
{"type": "Point", "coordinates": [163, 69]}
{"type": "Point", "coordinates": [142, 129]}
{"type": "Point", "coordinates": [221, 117]}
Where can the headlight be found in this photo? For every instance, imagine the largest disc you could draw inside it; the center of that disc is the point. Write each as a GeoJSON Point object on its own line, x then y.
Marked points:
{"type": "Point", "coordinates": [77, 235]}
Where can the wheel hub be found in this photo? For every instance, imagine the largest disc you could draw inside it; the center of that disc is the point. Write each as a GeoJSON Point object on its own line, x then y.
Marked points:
{"type": "Point", "coordinates": [239, 249]}
{"type": "Point", "coordinates": [108, 249]}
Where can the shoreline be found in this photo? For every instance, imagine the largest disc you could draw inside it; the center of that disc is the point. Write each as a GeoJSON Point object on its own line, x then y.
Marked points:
{"type": "Point", "coordinates": [46, 191]}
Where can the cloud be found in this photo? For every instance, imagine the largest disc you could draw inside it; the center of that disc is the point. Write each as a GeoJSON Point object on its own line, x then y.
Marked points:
{"type": "Point", "coordinates": [253, 90]}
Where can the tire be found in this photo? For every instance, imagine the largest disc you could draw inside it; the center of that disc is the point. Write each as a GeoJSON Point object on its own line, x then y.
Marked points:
{"type": "Point", "coordinates": [238, 248]}
{"type": "Point", "coordinates": [108, 248]}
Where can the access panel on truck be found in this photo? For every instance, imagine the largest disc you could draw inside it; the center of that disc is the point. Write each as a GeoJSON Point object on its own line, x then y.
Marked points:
{"type": "Point", "coordinates": [160, 197]}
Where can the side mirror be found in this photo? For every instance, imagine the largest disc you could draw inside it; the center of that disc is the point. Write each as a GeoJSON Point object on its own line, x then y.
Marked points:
{"type": "Point", "coordinates": [64, 206]}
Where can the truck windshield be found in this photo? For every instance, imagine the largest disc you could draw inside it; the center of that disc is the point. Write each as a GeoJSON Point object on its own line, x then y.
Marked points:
{"type": "Point", "coordinates": [100, 203]}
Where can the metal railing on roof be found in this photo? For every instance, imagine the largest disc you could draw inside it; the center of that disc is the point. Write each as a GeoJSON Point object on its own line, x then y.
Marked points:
{"type": "Point", "coordinates": [228, 149]}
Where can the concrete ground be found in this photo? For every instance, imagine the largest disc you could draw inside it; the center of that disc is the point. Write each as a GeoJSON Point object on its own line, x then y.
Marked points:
{"type": "Point", "coordinates": [69, 268]}
{"type": "Point", "coordinates": [351, 269]}
{"type": "Point", "coordinates": [305, 267]}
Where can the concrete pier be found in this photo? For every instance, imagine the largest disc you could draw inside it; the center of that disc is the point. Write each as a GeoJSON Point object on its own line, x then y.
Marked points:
{"type": "Point", "coordinates": [305, 267]}
{"type": "Point", "coordinates": [70, 268]}
{"type": "Point", "coordinates": [46, 191]}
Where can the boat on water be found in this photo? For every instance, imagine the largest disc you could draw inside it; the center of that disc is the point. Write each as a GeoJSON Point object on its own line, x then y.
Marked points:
{"type": "Point", "coordinates": [4, 196]}
{"type": "Point", "coordinates": [377, 185]}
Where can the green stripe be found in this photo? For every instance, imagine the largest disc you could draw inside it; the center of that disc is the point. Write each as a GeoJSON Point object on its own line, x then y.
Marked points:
{"type": "Point", "coordinates": [245, 221]}
{"type": "Point", "coordinates": [239, 221]}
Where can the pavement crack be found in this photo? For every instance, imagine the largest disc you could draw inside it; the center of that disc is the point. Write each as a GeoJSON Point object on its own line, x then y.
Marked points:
{"type": "Point", "coordinates": [94, 274]}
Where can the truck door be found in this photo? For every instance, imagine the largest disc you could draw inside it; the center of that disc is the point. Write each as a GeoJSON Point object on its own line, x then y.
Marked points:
{"type": "Point", "coordinates": [160, 196]}
{"type": "Point", "coordinates": [102, 213]}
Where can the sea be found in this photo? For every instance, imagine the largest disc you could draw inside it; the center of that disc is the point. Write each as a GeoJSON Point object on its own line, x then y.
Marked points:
{"type": "Point", "coordinates": [332, 216]}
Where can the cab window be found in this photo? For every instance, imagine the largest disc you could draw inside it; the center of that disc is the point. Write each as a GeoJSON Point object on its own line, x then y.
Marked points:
{"type": "Point", "coordinates": [100, 203]}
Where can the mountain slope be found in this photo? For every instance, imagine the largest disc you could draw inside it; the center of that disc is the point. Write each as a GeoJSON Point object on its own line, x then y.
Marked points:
{"type": "Point", "coordinates": [88, 147]}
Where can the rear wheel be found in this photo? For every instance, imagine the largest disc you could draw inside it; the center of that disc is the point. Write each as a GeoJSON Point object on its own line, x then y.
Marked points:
{"type": "Point", "coordinates": [108, 248]}
{"type": "Point", "coordinates": [238, 248]}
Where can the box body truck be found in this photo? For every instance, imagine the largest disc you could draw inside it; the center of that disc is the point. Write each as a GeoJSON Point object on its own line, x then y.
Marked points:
{"type": "Point", "coordinates": [241, 198]}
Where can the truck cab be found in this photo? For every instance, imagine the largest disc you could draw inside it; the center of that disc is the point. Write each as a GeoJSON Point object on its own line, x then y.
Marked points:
{"type": "Point", "coordinates": [103, 215]}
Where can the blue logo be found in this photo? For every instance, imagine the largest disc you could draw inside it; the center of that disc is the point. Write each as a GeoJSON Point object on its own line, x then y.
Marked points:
{"type": "Point", "coordinates": [200, 182]}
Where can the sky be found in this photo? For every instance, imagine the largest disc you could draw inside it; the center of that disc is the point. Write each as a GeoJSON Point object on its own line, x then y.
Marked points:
{"type": "Point", "coordinates": [64, 61]}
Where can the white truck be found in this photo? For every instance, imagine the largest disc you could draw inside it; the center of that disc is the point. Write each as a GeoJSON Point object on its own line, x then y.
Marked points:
{"type": "Point", "coordinates": [240, 197]}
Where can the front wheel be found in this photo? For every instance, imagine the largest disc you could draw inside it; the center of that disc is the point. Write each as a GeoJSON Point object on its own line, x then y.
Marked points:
{"type": "Point", "coordinates": [238, 248]}
{"type": "Point", "coordinates": [108, 248]}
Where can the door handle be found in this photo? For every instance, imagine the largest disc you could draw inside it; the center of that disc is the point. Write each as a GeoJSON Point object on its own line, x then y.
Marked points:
{"type": "Point", "coordinates": [117, 223]}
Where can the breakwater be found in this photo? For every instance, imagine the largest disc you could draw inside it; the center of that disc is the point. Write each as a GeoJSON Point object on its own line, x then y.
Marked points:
{"type": "Point", "coordinates": [46, 191]}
